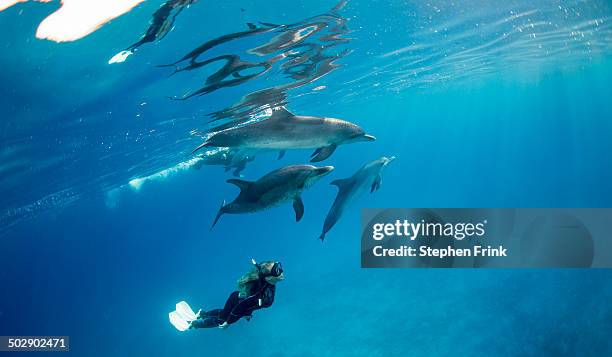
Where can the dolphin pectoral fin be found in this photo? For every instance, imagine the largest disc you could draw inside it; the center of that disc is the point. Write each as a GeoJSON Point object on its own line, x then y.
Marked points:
{"type": "Point", "coordinates": [281, 154]}
{"type": "Point", "coordinates": [376, 183]}
{"type": "Point", "coordinates": [218, 215]}
{"type": "Point", "coordinates": [298, 206]}
{"type": "Point", "coordinates": [242, 184]}
{"type": "Point", "coordinates": [323, 153]}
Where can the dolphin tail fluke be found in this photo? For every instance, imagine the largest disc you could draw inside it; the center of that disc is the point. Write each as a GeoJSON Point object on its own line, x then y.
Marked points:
{"type": "Point", "coordinates": [218, 215]}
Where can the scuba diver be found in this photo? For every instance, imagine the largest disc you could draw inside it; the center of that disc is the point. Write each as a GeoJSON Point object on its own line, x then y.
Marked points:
{"type": "Point", "coordinates": [256, 290]}
{"type": "Point", "coordinates": [162, 22]}
{"type": "Point", "coordinates": [159, 26]}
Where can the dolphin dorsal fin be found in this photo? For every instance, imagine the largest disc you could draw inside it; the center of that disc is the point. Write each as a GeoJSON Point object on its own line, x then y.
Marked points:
{"type": "Point", "coordinates": [281, 113]}
{"type": "Point", "coordinates": [242, 184]}
{"type": "Point", "coordinates": [340, 183]}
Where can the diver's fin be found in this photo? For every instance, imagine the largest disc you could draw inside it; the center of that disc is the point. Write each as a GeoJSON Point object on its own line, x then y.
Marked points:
{"type": "Point", "coordinates": [178, 322]}
{"type": "Point", "coordinates": [323, 153]}
{"type": "Point", "coordinates": [281, 113]}
{"type": "Point", "coordinates": [281, 154]}
{"type": "Point", "coordinates": [218, 215]}
{"type": "Point", "coordinates": [376, 183]}
{"type": "Point", "coordinates": [185, 311]}
{"type": "Point", "coordinates": [242, 184]}
{"type": "Point", "coordinates": [120, 57]}
{"type": "Point", "coordinates": [340, 182]}
{"type": "Point", "coordinates": [251, 25]}
{"type": "Point", "coordinates": [298, 207]}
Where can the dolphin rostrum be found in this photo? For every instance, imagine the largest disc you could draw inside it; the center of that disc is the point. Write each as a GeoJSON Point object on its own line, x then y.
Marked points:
{"type": "Point", "coordinates": [276, 187]}
{"type": "Point", "coordinates": [349, 189]}
{"type": "Point", "coordinates": [284, 130]}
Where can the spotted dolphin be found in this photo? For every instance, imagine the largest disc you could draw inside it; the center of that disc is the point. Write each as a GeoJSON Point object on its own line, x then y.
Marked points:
{"type": "Point", "coordinates": [284, 130]}
{"type": "Point", "coordinates": [230, 159]}
{"type": "Point", "coordinates": [279, 186]}
{"type": "Point", "coordinates": [349, 189]}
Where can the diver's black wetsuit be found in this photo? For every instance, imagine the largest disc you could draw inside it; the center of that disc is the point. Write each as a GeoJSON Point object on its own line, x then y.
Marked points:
{"type": "Point", "coordinates": [162, 22]}
{"type": "Point", "coordinates": [236, 307]}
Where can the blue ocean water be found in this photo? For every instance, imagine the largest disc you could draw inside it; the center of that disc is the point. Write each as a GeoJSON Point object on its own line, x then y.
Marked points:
{"type": "Point", "coordinates": [484, 104]}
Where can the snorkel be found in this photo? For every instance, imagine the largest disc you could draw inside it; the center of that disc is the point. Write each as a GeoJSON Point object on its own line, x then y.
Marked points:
{"type": "Point", "coordinates": [275, 271]}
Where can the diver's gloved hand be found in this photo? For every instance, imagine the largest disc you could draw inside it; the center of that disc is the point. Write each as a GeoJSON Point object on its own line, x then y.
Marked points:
{"type": "Point", "coordinates": [224, 325]}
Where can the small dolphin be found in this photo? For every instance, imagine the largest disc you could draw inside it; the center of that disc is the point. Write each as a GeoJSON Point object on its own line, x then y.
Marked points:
{"type": "Point", "coordinates": [276, 187]}
{"type": "Point", "coordinates": [285, 130]}
{"type": "Point", "coordinates": [349, 189]}
{"type": "Point", "coordinates": [230, 159]}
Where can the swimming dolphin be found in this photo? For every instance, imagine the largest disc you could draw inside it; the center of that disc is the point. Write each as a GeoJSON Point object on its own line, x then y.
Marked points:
{"type": "Point", "coordinates": [276, 187]}
{"type": "Point", "coordinates": [349, 189]}
{"type": "Point", "coordinates": [285, 130]}
{"type": "Point", "coordinates": [230, 159]}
